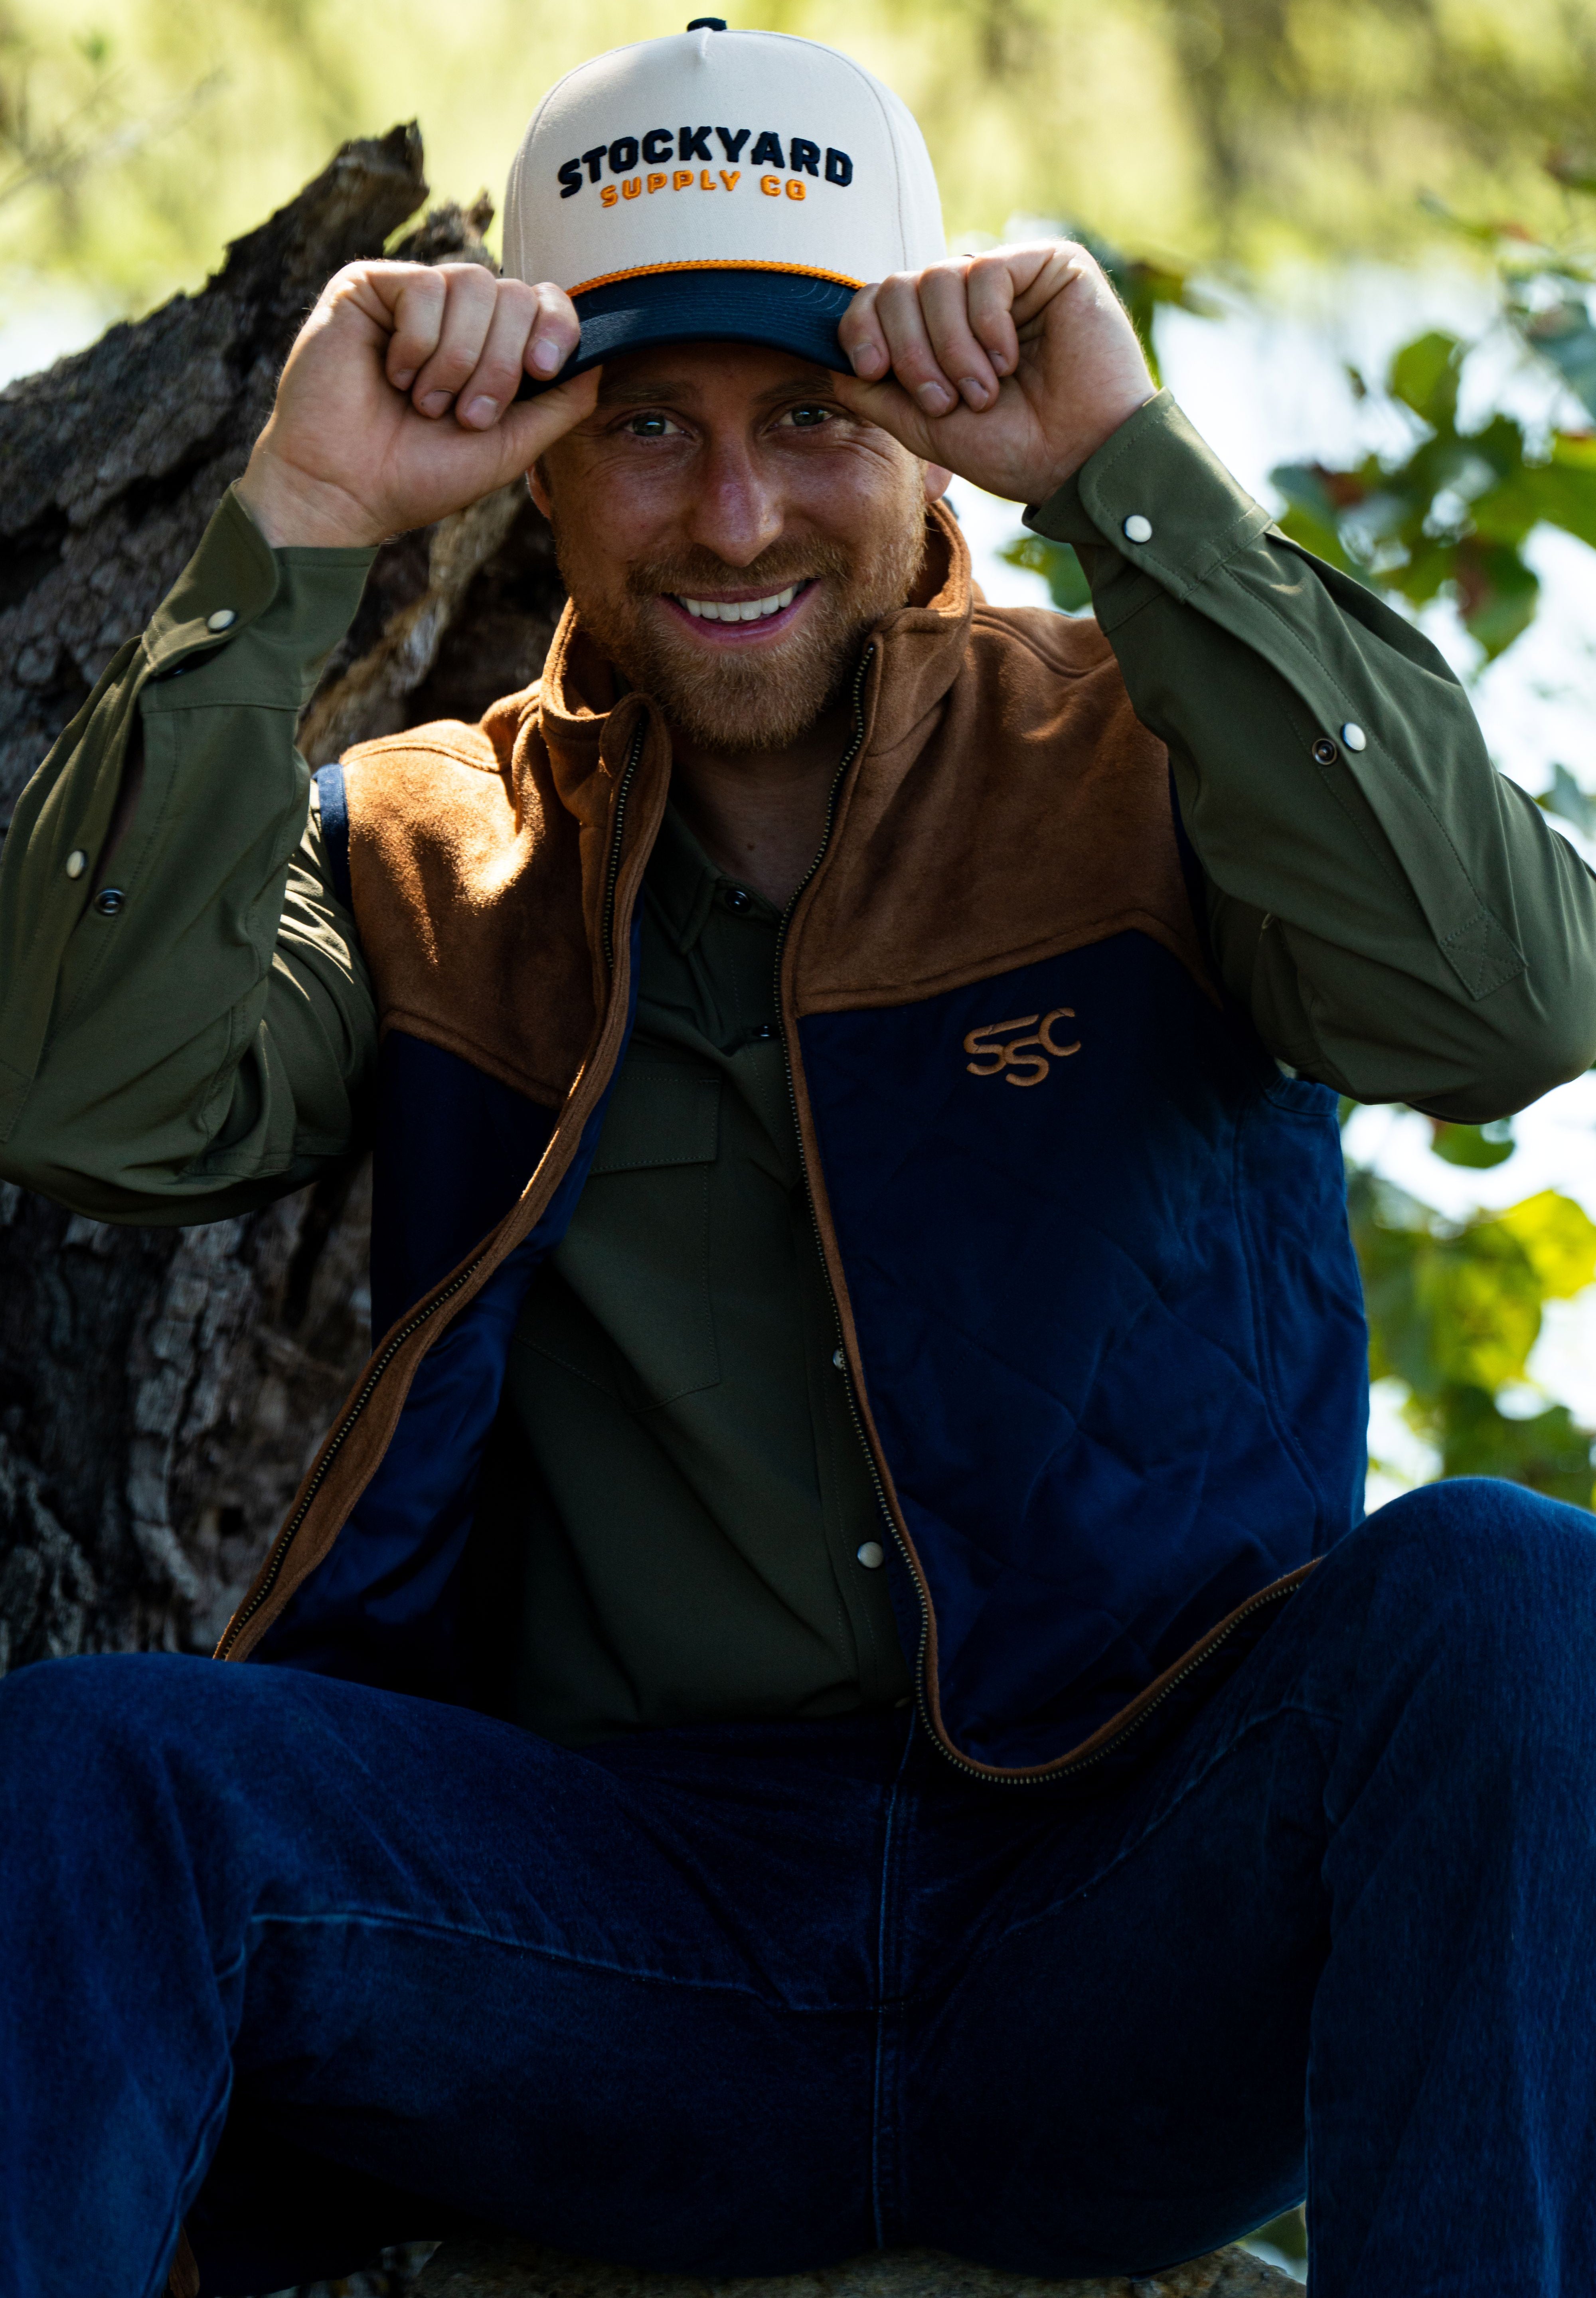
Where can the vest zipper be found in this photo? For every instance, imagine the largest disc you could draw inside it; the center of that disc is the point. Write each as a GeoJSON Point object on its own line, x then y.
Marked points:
{"type": "Point", "coordinates": [887, 1518]}
{"type": "Point", "coordinates": [1265, 1597]}
{"type": "Point", "coordinates": [335, 1442]}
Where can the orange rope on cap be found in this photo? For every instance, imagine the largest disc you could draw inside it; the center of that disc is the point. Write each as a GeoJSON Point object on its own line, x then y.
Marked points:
{"type": "Point", "coordinates": [714, 263]}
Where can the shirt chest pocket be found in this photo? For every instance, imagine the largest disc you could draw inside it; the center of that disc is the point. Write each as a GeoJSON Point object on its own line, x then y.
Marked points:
{"type": "Point", "coordinates": [637, 1253]}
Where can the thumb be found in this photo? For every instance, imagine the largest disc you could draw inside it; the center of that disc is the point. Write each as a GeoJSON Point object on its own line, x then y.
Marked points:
{"type": "Point", "coordinates": [529, 427]}
{"type": "Point", "coordinates": [889, 406]}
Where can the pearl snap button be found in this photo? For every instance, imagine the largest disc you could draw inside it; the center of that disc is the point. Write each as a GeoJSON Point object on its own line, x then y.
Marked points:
{"type": "Point", "coordinates": [1138, 529]}
{"type": "Point", "coordinates": [1354, 736]}
{"type": "Point", "coordinates": [223, 619]}
{"type": "Point", "coordinates": [872, 1555]}
{"type": "Point", "coordinates": [838, 1359]}
{"type": "Point", "coordinates": [76, 861]}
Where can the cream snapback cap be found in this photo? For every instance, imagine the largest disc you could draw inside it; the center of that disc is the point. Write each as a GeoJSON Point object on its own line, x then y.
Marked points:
{"type": "Point", "coordinates": [721, 186]}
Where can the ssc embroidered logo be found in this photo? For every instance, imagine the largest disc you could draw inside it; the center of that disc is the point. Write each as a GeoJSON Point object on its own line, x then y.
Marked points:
{"type": "Point", "coordinates": [1022, 1053]}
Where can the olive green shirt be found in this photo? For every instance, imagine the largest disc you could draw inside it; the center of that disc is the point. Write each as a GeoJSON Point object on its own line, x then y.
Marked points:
{"type": "Point", "coordinates": [695, 1527]}
{"type": "Point", "coordinates": [674, 1477]}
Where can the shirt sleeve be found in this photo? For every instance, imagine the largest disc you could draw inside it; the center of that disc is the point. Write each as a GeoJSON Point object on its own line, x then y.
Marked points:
{"type": "Point", "coordinates": [1401, 920]}
{"type": "Point", "coordinates": [188, 1031]}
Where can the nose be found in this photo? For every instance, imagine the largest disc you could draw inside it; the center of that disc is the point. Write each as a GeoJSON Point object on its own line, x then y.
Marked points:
{"type": "Point", "coordinates": [737, 510]}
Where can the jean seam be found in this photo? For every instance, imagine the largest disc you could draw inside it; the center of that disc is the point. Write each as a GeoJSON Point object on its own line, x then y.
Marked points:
{"type": "Point", "coordinates": [424, 1929]}
{"type": "Point", "coordinates": [1129, 1850]}
{"type": "Point", "coordinates": [888, 2015]}
{"type": "Point", "coordinates": [199, 2156]}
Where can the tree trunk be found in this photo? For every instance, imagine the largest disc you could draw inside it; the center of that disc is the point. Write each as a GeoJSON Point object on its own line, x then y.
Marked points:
{"type": "Point", "coordinates": [161, 1391]}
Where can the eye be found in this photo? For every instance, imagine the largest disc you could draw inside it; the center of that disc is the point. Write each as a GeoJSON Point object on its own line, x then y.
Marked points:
{"type": "Point", "coordinates": [651, 427]}
{"type": "Point", "coordinates": [810, 417]}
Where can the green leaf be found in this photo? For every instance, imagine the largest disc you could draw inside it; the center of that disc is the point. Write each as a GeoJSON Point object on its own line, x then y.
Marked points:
{"type": "Point", "coordinates": [1057, 563]}
{"type": "Point", "coordinates": [1558, 1238]}
{"type": "Point", "coordinates": [1549, 1451]}
{"type": "Point", "coordinates": [1497, 593]}
{"type": "Point", "coordinates": [1565, 335]}
{"type": "Point", "coordinates": [1565, 797]}
{"type": "Point", "coordinates": [1478, 1146]}
{"type": "Point", "coordinates": [1424, 375]}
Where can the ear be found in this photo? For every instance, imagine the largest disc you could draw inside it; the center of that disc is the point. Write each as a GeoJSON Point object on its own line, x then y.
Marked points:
{"type": "Point", "coordinates": [537, 487]}
{"type": "Point", "coordinates": [935, 481]}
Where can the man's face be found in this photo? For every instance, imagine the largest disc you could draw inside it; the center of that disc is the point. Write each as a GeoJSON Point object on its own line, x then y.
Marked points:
{"type": "Point", "coordinates": [729, 532]}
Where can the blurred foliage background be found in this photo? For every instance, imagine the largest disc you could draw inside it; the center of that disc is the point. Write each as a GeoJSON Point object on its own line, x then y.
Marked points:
{"type": "Point", "coordinates": [136, 136]}
{"type": "Point", "coordinates": [1217, 141]}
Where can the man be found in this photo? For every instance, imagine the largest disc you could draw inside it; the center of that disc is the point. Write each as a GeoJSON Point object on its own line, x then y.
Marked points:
{"type": "Point", "coordinates": [827, 1687]}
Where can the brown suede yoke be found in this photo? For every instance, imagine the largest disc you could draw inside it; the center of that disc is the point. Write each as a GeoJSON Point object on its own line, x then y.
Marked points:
{"type": "Point", "coordinates": [478, 860]}
{"type": "Point", "coordinates": [1007, 805]}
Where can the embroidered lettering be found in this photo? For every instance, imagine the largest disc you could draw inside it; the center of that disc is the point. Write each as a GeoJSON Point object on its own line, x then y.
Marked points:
{"type": "Point", "coordinates": [623, 155]}
{"type": "Point", "coordinates": [657, 183]}
{"type": "Point", "coordinates": [693, 143]}
{"type": "Point", "coordinates": [609, 197]}
{"type": "Point", "coordinates": [733, 143]}
{"type": "Point", "coordinates": [595, 162]}
{"type": "Point", "coordinates": [706, 182]}
{"type": "Point", "coordinates": [840, 167]}
{"type": "Point", "coordinates": [568, 176]}
{"type": "Point", "coordinates": [730, 177]}
{"type": "Point", "coordinates": [802, 153]}
{"type": "Point", "coordinates": [794, 187]}
{"type": "Point", "coordinates": [659, 145]}
{"type": "Point", "coordinates": [1018, 1054]}
{"type": "Point", "coordinates": [632, 188]}
{"type": "Point", "coordinates": [767, 151]}
{"type": "Point", "coordinates": [771, 185]}
{"type": "Point", "coordinates": [681, 179]}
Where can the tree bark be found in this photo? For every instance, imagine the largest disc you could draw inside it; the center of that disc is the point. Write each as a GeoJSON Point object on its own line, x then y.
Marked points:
{"type": "Point", "coordinates": [161, 1391]}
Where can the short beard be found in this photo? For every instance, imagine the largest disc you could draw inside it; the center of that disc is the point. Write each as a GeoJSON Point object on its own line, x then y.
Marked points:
{"type": "Point", "coordinates": [767, 700]}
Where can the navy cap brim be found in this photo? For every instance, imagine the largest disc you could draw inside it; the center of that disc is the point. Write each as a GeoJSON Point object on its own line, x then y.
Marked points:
{"type": "Point", "coordinates": [787, 310]}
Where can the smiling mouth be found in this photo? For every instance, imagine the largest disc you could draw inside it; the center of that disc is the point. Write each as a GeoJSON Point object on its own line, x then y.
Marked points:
{"type": "Point", "coordinates": [776, 607]}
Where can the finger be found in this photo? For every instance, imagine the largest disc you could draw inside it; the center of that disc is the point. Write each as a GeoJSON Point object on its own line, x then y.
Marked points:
{"type": "Point", "coordinates": [413, 295]}
{"type": "Point", "coordinates": [495, 379]}
{"type": "Point", "coordinates": [468, 306]}
{"type": "Point", "coordinates": [556, 332]}
{"type": "Point", "coordinates": [859, 332]}
{"type": "Point", "coordinates": [991, 291]}
{"type": "Point", "coordinates": [1041, 273]}
{"type": "Point", "coordinates": [945, 309]}
{"type": "Point", "coordinates": [914, 363]}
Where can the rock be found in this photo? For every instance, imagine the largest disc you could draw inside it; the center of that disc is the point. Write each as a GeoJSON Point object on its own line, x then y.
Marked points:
{"type": "Point", "coordinates": [503, 2267]}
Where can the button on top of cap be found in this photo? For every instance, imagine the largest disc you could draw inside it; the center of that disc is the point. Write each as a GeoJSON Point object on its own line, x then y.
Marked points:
{"type": "Point", "coordinates": [707, 24]}
{"type": "Point", "coordinates": [223, 619]}
{"type": "Point", "coordinates": [1138, 529]}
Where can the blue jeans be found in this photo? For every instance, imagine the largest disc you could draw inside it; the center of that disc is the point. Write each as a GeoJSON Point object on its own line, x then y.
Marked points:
{"type": "Point", "coordinates": [319, 1967]}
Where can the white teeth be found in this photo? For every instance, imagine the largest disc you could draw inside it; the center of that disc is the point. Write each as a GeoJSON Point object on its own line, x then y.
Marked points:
{"type": "Point", "coordinates": [740, 610]}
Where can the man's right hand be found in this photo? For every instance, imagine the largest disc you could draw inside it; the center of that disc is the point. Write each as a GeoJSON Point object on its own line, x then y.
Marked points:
{"type": "Point", "coordinates": [398, 402]}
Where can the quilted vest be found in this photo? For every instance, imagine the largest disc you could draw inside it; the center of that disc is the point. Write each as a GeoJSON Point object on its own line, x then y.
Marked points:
{"type": "Point", "coordinates": [1101, 1319]}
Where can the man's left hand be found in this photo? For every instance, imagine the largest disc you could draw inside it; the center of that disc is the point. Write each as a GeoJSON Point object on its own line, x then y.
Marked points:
{"type": "Point", "coordinates": [1009, 369]}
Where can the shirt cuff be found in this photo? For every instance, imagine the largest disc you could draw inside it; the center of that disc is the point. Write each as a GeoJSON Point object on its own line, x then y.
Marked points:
{"type": "Point", "coordinates": [246, 622]}
{"type": "Point", "coordinates": [1157, 493]}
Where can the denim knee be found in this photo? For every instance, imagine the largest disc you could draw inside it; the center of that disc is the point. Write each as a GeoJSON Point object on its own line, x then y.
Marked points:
{"type": "Point", "coordinates": [1506, 1576]}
